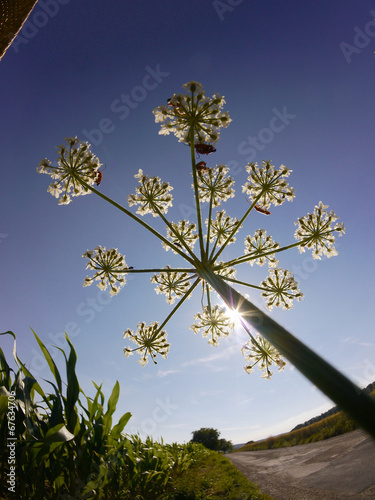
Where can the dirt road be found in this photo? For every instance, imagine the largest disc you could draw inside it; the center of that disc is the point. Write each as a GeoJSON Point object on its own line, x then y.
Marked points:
{"type": "Point", "coordinates": [340, 468]}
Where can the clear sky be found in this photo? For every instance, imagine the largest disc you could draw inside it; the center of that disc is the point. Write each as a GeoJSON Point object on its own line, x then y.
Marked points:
{"type": "Point", "coordinates": [313, 62]}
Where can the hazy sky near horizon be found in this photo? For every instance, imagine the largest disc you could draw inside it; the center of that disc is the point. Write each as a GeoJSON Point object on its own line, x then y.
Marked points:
{"type": "Point", "coordinates": [298, 78]}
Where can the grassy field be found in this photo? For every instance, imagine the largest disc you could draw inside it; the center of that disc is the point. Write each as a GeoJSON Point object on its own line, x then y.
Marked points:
{"type": "Point", "coordinates": [328, 427]}
{"type": "Point", "coordinates": [214, 477]}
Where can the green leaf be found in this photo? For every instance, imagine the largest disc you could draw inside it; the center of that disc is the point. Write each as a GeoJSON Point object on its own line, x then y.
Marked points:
{"type": "Point", "coordinates": [118, 428]}
{"type": "Point", "coordinates": [50, 361]}
{"type": "Point", "coordinates": [112, 402]}
{"type": "Point", "coordinates": [72, 391]}
{"type": "Point", "coordinates": [58, 434]}
{"type": "Point", "coordinates": [57, 416]}
{"type": "Point", "coordinates": [3, 404]}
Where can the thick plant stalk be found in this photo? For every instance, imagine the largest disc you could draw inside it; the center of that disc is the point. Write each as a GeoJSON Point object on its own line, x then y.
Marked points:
{"type": "Point", "coordinates": [13, 14]}
{"type": "Point", "coordinates": [358, 404]}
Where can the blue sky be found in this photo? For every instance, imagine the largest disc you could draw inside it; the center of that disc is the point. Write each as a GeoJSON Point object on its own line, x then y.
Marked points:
{"type": "Point", "coordinates": [311, 62]}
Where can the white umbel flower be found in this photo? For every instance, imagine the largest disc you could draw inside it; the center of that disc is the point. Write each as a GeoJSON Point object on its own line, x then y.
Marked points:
{"type": "Point", "coordinates": [316, 231]}
{"type": "Point", "coordinates": [151, 196]}
{"type": "Point", "coordinates": [216, 185]}
{"type": "Point", "coordinates": [282, 288]}
{"type": "Point", "coordinates": [76, 163]}
{"type": "Point", "coordinates": [260, 352]}
{"type": "Point", "coordinates": [215, 323]}
{"type": "Point", "coordinates": [110, 267]}
{"type": "Point", "coordinates": [171, 283]}
{"type": "Point", "coordinates": [194, 109]}
{"type": "Point", "coordinates": [269, 183]}
{"type": "Point", "coordinates": [151, 341]}
{"type": "Point", "coordinates": [259, 244]}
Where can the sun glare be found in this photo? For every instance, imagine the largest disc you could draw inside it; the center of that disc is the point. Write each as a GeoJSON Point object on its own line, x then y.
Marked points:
{"type": "Point", "coordinates": [234, 315]}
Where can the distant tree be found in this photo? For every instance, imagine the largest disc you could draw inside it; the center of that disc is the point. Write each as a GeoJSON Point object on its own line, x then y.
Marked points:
{"type": "Point", "coordinates": [225, 445]}
{"type": "Point", "coordinates": [207, 436]}
{"type": "Point", "coordinates": [210, 439]}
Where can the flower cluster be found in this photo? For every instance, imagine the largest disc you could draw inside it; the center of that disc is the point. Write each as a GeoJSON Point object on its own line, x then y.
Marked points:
{"type": "Point", "coordinates": [151, 341]}
{"type": "Point", "coordinates": [172, 284]}
{"type": "Point", "coordinates": [196, 120]}
{"type": "Point", "coordinates": [315, 231]}
{"type": "Point", "coordinates": [267, 184]}
{"type": "Point", "coordinates": [193, 110]}
{"type": "Point", "coordinates": [152, 195]}
{"type": "Point", "coordinates": [110, 268]}
{"type": "Point", "coordinates": [222, 227]}
{"type": "Point", "coordinates": [76, 163]}
{"type": "Point", "coordinates": [181, 231]}
{"type": "Point", "coordinates": [280, 289]}
{"type": "Point", "coordinates": [215, 323]}
{"type": "Point", "coordinates": [216, 186]}
{"type": "Point", "coordinates": [260, 352]}
{"type": "Point", "coordinates": [258, 246]}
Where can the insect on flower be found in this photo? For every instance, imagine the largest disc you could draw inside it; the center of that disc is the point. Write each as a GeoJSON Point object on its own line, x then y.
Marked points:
{"type": "Point", "coordinates": [259, 209]}
{"type": "Point", "coordinates": [201, 167]}
{"type": "Point", "coordinates": [262, 210]}
{"type": "Point", "coordinates": [98, 178]}
{"type": "Point", "coordinates": [175, 105]}
{"type": "Point", "coordinates": [204, 149]}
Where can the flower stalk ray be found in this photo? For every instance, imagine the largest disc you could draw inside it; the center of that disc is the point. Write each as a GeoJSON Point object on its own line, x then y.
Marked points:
{"type": "Point", "coordinates": [196, 121]}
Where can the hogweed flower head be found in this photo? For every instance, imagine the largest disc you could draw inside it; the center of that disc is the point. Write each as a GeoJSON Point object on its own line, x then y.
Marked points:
{"type": "Point", "coordinates": [215, 185]}
{"type": "Point", "coordinates": [258, 351]}
{"type": "Point", "coordinates": [152, 195]}
{"type": "Point", "coordinates": [222, 227]}
{"type": "Point", "coordinates": [316, 231]}
{"type": "Point", "coordinates": [76, 163]}
{"type": "Point", "coordinates": [215, 323]}
{"type": "Point", "coordinates": [258, 246]}
{"type": "Point", "coordinates": [193, 110]}
{"type": "Point", "coordinates": [181, 231]}
{"type": "Point", "coordinates": [172, 284]}
{"type": "Point", "coordinates": [110, 267]}
{"type": "Point", "coordinates": [151, 341]}
{"type": "Point", "coordinates": [268, 184]}
{"type": "Point", "coordinates": [280, 289]}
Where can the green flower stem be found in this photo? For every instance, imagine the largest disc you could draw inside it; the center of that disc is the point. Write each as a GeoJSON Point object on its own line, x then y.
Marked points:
{"type": "Point", "coordinates": [355, 402]}
{"type": "Point", "coordinates": [208, 297]}
{"type": "Point", "coordinates": [232, 280]}
{"type": "Point", "coordinates": [137, 219]}
{"type": "Point", "coordinates": [180, 302]}
{"type": "Point", "coordinates": [197, 202]}
{"type": "Point", "coordinates": [213, 251]}
{"type": "Point", "coordinates": [246, 258]}
{"type": "Point", "coordinates": [236, 227]}
{"type": "Point", "coordinates": [162, 270]}
{"type": "Point", "coordinates": [246, 328]}
{"type": "Point", "coordinates": [181, 240]}
{"type": "Point", "coordinates": [209, 225]}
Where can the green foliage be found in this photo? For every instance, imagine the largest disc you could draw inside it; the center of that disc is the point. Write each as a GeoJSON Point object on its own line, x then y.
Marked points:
{"type": "Point", "coordinates": [66, 446]}
{"type": "Point", "coordinates": [210, 439]}
{"type": "Point", "coordinates": [328, 427]}
{"type": "Point", "coordinates": [58, 450]}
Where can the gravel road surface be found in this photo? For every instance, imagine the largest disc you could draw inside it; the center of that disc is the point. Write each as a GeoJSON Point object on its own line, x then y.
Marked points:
{"type": "Point", "coordinates": [340, 468]}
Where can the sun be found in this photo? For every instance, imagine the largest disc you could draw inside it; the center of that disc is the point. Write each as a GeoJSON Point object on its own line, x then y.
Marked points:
{"type": "Point", "coordinates": [234, 315]}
